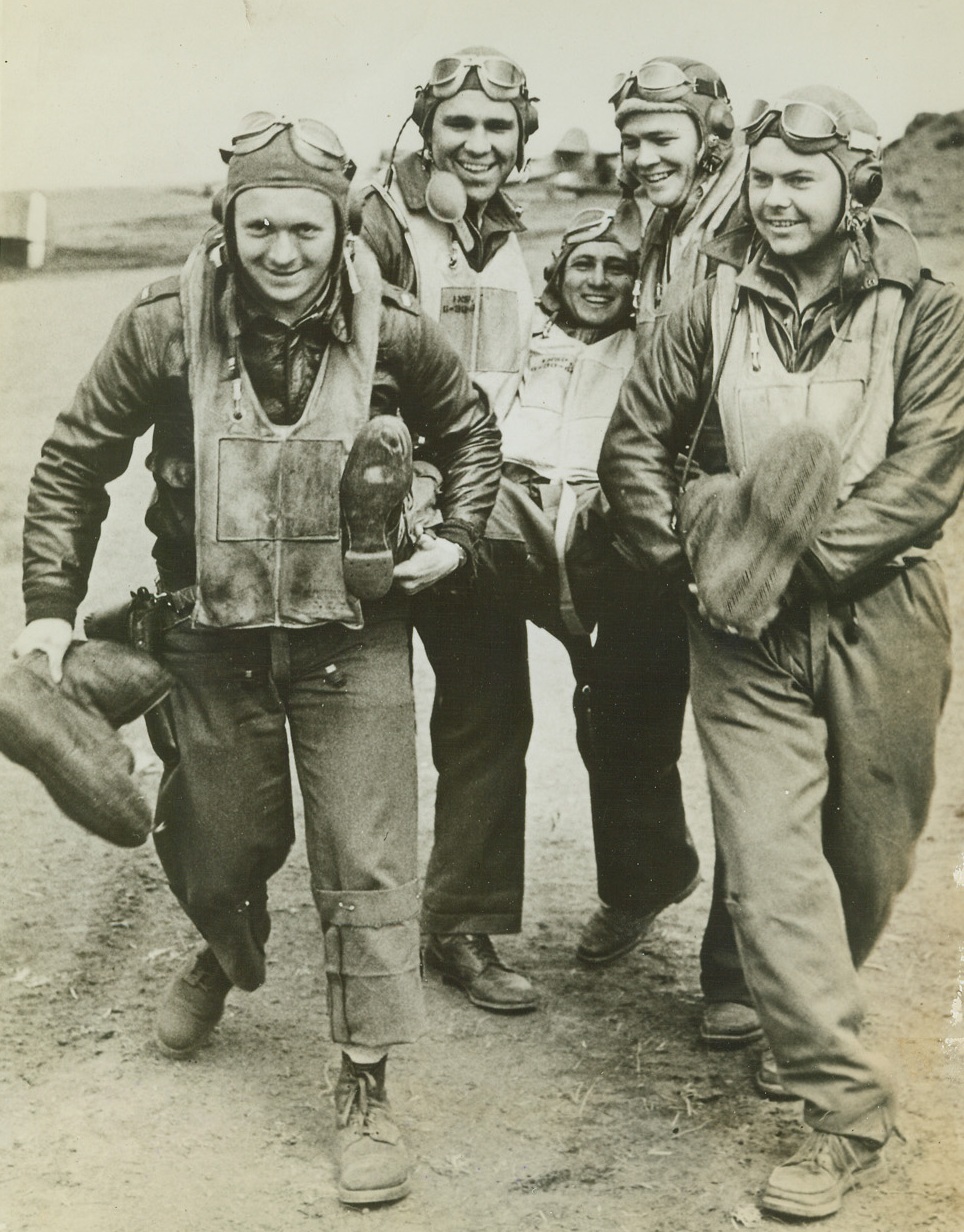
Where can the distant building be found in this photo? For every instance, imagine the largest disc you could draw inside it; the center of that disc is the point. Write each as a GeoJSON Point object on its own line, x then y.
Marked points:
{"type": "Point", "coordinates": [575, 167]}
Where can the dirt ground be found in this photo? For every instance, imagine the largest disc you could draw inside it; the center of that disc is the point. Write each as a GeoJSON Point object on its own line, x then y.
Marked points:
{"type": "Point", "coordinates": [600, 1111]}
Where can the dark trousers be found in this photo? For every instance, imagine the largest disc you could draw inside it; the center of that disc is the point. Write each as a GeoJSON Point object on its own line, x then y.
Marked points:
{"type": "Point", "coordinates": [481, 724]}
{"type": "Point", "coordinates": [475, 639]}
{"type": "Point", "coordinates": [344, 699]}
{"type": "Point", "coordinates": [644, 851]}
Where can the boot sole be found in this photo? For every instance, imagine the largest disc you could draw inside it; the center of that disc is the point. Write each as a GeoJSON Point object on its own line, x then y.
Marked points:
{"type": "Point", "coordinates": [788, 1204]}
{"type": "Point", "coordinates": [369, 575]}
{"type": "Point", "coordinates": [721, 1042]}
{"type": "Point", "coordinates": [372, 495]}
{"type": "Point", "coordinates": [787, 507]}
{"type": "Point", "coordinates": [368, 1197]}
{"type": "Point", "coordinates": [598, 960]}
{"type": "Point", "coordinates": [773, 1090]}
{"type": "Point", "coordinates": [182, 1054]}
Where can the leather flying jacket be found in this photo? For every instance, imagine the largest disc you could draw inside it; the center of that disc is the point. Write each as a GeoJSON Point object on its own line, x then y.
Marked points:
{"type": "Point", "coordinates": [139, 383]}
{"type": "Point", "coordinates": [903, 502]}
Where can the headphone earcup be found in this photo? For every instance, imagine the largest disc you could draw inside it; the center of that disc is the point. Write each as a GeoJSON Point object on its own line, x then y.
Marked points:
{"type": "Point", "coordinates": [420, 108]}
{"type": "Point", "coordinates": [867, 183]}
{"type": "Point", "coordinates": [530, 117]}
{"type": "Point", "coordinates": [719, 120]}
{"type": "Point", "coordinates": [528, 123]}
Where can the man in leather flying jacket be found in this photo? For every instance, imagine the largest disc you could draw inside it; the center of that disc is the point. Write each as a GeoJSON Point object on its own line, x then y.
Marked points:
{"type": "Point", "coordinates": [282, 382]}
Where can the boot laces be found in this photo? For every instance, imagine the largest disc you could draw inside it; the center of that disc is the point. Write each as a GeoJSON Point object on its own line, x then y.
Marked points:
{"type": "Point", "coordinates": [831, 1153]}
{"type": "Point", "coordinates": [362, 1101]}
{"type": "Point", "coordinates": [481, 945]}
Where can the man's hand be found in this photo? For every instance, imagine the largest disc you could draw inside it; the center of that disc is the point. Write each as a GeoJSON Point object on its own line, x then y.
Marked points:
{"type": "Point", "coordinates": [433, 560]}
{"type": "Point", "coordinates": [751, 633]}
{"type": "Point", "coordinates": [51, 635]}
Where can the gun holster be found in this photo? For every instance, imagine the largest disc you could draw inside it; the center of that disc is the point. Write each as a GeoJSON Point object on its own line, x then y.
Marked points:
{"type": "Point", "coordinates": [141, 622]}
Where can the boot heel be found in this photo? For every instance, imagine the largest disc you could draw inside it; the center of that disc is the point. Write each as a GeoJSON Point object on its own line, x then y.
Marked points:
{"type": "Point", "coordinates": [368, 575]}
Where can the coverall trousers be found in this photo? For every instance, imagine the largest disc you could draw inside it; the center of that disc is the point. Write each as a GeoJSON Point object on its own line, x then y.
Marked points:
{"type": "Point", "coordinates": [644, 852]}
{"type": "Point", "coordinates": [819, 744]}
{"type": "Point", "coordinates": [344, 700]}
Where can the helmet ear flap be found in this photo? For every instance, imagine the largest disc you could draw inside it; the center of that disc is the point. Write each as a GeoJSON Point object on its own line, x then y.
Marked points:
{"type": "Point", "coordinates": [719, 120]}
{"type": "Point", "coordinates": [553, 265]}
{"type": "Point", "coordinates": [866, 183]}
{"type": "Point", "coordinates": [420, 108]}
{"type": "Point", "coordinates": [528, 123]}
{"type": "Point", "coordinates": [529, 115]}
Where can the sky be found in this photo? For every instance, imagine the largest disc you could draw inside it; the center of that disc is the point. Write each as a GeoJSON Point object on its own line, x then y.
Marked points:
{"type": "Point", "coordinates": [143, 92]}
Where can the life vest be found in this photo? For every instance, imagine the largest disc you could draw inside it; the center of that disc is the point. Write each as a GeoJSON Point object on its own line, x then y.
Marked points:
{"type": "Point", "coordinates": [568, 392]}
{"type": "Point", "coordinates": [486, 316]}
{"type": "Point", "coordinates": [687, 264]}
{"type": "Point", "coordinates": [849, 394]}
{"type": "Point", "coordinates": [268, 520]}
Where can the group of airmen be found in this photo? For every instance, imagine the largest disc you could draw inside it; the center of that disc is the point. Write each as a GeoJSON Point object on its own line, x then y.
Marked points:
{"type": "Point", "coordinates": [710, 458]}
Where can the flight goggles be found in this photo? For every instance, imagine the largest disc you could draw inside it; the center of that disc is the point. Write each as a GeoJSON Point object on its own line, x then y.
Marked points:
{"type": "Point", "coordinates": [500, 78]}
{"type": "Point", "coordinates": [661, 81]}
{"type": "Point", "coordinates": [806, 122]}
{"type": "Point", "coordinates": [313, 142]}
{"type": "Point", "coordinates": [593, 224]}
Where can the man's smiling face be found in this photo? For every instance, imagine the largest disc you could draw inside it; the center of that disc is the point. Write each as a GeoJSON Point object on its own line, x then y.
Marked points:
{"type": "Point", "coordinates": [797, 200]}
{"type": "Point", "coordinates": [660, 149]}
{"type": "Point", "coordinates": [477, 139]}
{"type": "Point", "coordinates": [597, 285]}
{"type": "Point", "coordinates": [285, 240]}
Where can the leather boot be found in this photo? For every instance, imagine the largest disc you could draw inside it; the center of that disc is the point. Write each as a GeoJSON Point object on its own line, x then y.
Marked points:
{"type": "Point", "coordinates": [610, 932]}
{"type": "Point", "coordinates": [470, 962]}
{"type": "Point", "coordinates": [66, 734]}
{"type": "Point", "coordinates": [812, 1183]}
{"type": "Point", "coordinates": [192, 1005]}
{"type": "Point", "coordinates": [374, 486]}
{"type": "Point", "coordinates": [729, 1024]}
{"type": "Point", "coordinates": [373, 1164]}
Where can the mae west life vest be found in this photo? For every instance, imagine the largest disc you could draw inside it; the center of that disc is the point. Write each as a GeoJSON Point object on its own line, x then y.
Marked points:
{"type": "Point", "coordinates": [556, 426]}
{"type": "Point", "coordinates": [268, 519]}
{"type": "Point", "coordinates": [849, 394]}
{"type": "Point", "coordinates": [569, 389]}
{"type": "Point", "coordinates": [486, 316]}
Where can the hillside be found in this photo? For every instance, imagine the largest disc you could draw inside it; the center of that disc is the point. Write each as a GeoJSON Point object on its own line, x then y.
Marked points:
{"type": "Point", "coordinates": [924, 174]}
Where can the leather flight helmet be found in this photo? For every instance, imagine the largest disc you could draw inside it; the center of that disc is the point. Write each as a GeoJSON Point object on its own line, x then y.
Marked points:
{"type": "Point", "coordinates": [477, 68]}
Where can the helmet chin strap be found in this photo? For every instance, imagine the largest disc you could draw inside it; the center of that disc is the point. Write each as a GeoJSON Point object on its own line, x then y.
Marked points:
{"type": "Point", "coordinates": [855, 223]}
{"type": "Point", "coordinates": [709, 159]}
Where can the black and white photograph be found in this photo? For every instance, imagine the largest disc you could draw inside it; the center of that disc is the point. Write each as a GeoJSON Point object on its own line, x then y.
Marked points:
{"type": "Point", "coordinates": [482, 616]}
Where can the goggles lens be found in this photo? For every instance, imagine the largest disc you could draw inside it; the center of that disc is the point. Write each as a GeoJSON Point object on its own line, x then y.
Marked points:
{"type": "Point", "coordinates": [314, 142]}
{"type": "Point", "coordinates": [499, 77]}
{"type": "Point", "coordinates": [804, 121]}
{"type": "Point", "coordinates": [660, 75]}
{"type": "Point", "coordinates": [660, 81]}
